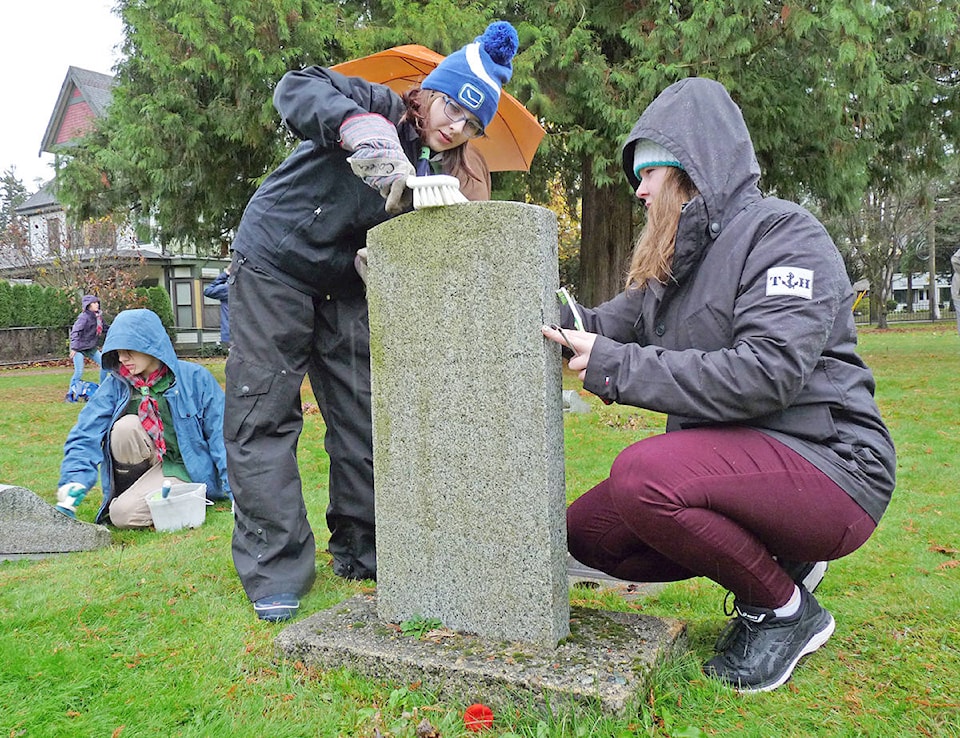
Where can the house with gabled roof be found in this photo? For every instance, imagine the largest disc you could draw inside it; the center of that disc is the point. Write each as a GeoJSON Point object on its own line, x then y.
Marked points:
{"type": "Point", "coordinates": [84, 97]}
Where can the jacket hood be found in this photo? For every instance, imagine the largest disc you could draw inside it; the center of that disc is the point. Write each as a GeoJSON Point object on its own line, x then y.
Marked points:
{"type": "Point", "coordinates": [138, 330]}
{"type": "Point", "coordinates": [700, 124]}
{"type": "Point", "coordinates": [87, 299]}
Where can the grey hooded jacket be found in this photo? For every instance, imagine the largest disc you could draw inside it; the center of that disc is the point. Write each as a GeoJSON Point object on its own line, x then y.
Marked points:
{"type": "Point", "coordinates": [756, 326]}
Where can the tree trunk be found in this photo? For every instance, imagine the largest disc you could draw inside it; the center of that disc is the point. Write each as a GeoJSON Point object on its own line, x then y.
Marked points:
{"type": "Point", "coordinates": [880, 291]}
{"type": "Point", "coordinates": [933, 292]}
{"type": "Point", "coordinates": [606, 239]}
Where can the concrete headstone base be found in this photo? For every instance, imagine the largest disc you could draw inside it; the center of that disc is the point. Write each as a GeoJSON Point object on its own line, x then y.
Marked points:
{"type": "Point", "coordinates": [608, 659]}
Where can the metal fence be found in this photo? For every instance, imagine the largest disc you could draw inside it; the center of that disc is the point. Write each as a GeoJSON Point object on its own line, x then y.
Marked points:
{"type": "Point", "coordinates": [904, 316]}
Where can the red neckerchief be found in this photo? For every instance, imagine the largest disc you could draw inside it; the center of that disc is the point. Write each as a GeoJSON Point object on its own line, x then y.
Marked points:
{"type": "Point", "coordinates": [149, 410]}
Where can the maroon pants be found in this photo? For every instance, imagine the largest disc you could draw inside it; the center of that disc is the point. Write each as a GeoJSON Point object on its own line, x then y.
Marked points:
{"type": "Point", "coordinates": [718, 503]}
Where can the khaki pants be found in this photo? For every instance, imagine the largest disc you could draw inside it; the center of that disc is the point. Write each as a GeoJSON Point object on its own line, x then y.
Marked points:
{"type": "Point", "coordinates": [130, 445]}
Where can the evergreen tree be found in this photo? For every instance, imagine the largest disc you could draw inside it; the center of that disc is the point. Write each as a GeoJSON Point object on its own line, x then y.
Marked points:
{"type": "Point", "coordinates": [14, 236]}
{"type": "Point", "coordinates": [12, 195]}
{"type": "Point", "coordinates": [191, 129]}
{"type": "Point", "coordinates": [839, 98]}
{"type": "Point", "coordinates": [833, 94]}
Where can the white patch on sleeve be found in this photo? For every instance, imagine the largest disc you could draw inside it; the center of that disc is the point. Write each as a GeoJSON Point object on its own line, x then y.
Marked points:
{"type": "Point", "coordinates": [788, 280]}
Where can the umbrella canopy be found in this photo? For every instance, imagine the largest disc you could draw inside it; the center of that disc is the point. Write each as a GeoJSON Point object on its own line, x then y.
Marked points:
{"type": "Point", "coordinates": [511, 138]}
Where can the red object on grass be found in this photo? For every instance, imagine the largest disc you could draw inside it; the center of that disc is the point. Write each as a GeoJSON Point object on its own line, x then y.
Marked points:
{"type": "Point", "coordinates": [478, 717]}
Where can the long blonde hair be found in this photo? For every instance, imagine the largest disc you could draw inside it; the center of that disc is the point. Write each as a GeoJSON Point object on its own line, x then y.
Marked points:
{"type": "Point", "coordinates": [653, 254]}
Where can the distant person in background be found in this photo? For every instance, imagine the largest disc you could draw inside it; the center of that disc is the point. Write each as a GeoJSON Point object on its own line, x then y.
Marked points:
{"type": "Point", "coordinates": [955, 285]}
{"type": "Point", "coordinates": [85, 337]}
{"type": "Point", "coordinates": [219, 290]}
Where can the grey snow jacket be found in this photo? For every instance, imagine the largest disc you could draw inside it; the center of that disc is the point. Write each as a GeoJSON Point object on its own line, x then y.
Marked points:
{"type": "Point", "coordinates": [307, 220]}
{"type": "Point", "coordinates": [756, 326]}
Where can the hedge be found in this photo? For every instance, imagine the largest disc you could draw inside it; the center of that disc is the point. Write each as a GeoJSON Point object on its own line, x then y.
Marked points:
{"type": "Point", "coordinates": [31, 305]}
{"type": "Point", "coordinates": [34, 306]}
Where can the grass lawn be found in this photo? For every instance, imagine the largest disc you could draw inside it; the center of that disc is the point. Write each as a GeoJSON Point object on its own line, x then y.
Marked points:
{"type": "Point", "coordinates": [153, 636]}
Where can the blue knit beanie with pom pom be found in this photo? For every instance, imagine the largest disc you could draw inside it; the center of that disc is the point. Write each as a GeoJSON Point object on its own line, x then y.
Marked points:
{"type": "Point", "coordinates": [474, 75]}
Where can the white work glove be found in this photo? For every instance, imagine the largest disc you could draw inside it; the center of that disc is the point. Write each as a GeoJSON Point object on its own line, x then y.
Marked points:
{"type": "Point", "coordinates": [69, 496]}
{"type": "Point", "coordinates": [378, 158]}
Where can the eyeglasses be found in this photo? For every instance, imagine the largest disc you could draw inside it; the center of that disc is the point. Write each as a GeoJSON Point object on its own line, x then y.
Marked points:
{"type": "Point", "coordinates": [471, 127]}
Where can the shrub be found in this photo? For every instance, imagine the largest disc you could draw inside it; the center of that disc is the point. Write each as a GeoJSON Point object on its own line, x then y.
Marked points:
{"type": "Point", "coordinates": [158, 300]}
{"type": "Point", "coordinates": [35, 306]}
{"type": "Point", "coordinates": [6, 304]}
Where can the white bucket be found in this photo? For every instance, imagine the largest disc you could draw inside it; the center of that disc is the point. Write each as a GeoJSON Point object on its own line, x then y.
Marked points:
{"type": "Point", "coordinates": [184, 507]}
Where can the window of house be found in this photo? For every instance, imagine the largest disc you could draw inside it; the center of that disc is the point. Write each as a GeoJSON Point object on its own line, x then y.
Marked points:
{"type": "Point", "coordinates": [211, 309]}
{"type": "Point", "coordinates": [54, 236]}
{"type": "Point", "coordinates": [100, 235]}
{"type": "Point", "coordinates": [182, 290]}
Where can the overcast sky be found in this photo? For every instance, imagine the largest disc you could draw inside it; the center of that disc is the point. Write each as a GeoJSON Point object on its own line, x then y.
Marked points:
{"type": "Point", "coordinates": [39, 40]}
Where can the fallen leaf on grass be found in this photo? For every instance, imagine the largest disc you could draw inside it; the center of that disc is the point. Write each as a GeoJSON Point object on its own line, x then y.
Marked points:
{"type": "Point", "coordinates": [946, 550]}
{"type": "Point", "coordinates": [438, 634]}
{"type": "Point", "coordinates": [952, 564]}
{"type": "Point", "coordinates": [426, 730]}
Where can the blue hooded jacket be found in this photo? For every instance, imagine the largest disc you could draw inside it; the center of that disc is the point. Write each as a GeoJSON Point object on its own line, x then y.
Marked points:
{"type": "Point", "coordinates": [196, 404]}
{"type": "Point", "coordinates": [218, 289]}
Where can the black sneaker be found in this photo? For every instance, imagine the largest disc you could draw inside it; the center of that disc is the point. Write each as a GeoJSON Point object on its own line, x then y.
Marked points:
{"type": "Point", "coordinates": [346, 570]}
{"type": "Point", "coordinates": [277, 608]}
{"type": "Point", "coordinates": [757, 652]}
{"type": "Point", "coordinates": [807, 574]}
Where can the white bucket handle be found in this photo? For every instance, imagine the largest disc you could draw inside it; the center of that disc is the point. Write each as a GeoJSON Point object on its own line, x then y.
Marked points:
{"type": "Point", "coordinates": [196, 493]}
{"type": "Point", "coordinates": [193, 493]}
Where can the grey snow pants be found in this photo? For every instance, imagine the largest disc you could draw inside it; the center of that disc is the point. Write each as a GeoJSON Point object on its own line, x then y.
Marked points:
{"type": "Point", "coordinates": [279, 335]}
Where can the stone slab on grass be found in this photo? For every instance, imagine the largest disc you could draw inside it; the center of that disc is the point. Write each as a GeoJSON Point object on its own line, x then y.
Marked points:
{"type": "Point", "coordinates": [574, 403]}
{"type": "Point", "coordinates": [608, 660]}
{"type": "Point", "coordinates": [32, 528]}
{"type": "Point", "coordinates": [583, 576]}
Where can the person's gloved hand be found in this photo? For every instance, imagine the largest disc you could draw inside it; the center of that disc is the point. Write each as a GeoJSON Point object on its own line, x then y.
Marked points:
{"type": "Point", "coordinates": [378, 158]}
{"type": "Point", "coordinates": [69, 496]}
{"type": "Point", "coordinates": [360, 263]}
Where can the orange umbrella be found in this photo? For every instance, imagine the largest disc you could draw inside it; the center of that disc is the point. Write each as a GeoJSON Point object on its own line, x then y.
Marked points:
{"type": "Point", "coordinates": [512, 136]}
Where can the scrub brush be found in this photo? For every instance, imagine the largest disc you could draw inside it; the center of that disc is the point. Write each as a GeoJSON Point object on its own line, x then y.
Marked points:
{"type": "Point", "coordinates": [435, 190]}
